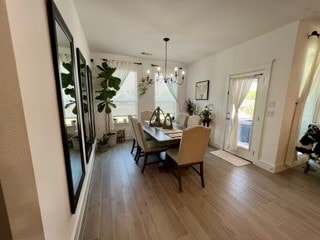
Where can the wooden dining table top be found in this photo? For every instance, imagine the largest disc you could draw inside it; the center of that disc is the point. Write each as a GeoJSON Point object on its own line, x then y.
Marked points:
{"type": "Point", "coordinates": [163, 135]}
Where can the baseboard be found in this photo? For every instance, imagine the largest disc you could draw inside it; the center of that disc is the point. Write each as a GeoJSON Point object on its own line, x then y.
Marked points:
{"type": "Point", "coordinates": [83, 207]}
{"type": "Point", "coordinates": [213, 143]}
{"type": "Point", "coordinates": [280, 168]}
{"type": "Point", "coordinates": [264, 165]}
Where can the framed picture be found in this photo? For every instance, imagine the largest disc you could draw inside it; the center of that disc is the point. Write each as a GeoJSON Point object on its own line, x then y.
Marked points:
{"type": "Point", "coordinates": [202, 90]}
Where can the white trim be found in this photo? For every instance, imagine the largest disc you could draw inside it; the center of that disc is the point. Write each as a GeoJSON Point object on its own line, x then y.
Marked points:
{"type": "Point", "coordinates": [263, 89]}
{"type": "Point", "coordinates": [280, 168]}
{"type": "Point", "coordinates": [85, 194]}
{"type": "Point", "coordinates": [265, 166]}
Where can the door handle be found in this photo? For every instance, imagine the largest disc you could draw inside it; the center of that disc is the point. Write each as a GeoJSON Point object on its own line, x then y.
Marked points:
{"type": "Point", "coordinates": [227, 118]}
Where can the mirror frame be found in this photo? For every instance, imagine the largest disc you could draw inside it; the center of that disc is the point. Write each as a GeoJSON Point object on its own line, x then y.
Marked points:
{"type": "Point", "coordinates": [84, 80]}
{"type": "Point", "coordinates": [89, 73]}
{"type": "Point", "coordinates": [54, 17]}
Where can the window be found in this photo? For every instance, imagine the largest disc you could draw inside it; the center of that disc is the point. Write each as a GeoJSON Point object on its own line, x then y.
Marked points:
{"type": "Point", "coordinates": [164, 98]}
{"type": "Point", "coordinates": [126, 98]}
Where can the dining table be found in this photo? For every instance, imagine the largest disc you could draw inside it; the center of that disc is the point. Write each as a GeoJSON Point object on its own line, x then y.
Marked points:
{"type": "Point", "coordinates": [162, 135]}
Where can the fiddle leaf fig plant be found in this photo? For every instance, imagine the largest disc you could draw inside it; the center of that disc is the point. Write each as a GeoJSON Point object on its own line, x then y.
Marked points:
{"type": "Point", "coordinates": [68, 86]}
{"type": "Point", "coordinates": [109, 87]}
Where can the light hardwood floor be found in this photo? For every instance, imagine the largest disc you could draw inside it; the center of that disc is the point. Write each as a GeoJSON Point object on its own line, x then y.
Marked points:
{"type": "Point", "coordinates": [237, 203]}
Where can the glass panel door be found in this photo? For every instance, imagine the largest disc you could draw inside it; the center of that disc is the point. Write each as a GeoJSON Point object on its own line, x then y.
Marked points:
{"type": "Point", "coordinates": [245, 123]}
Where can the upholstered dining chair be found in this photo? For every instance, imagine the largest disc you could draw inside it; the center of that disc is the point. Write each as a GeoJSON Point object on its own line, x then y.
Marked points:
{"type": "Point", "coordinates": [193, 120]}
{"type": "Point", "coordinates": [145, 115]}
{"type": "Point", "coordinates": [190, 152]}
{"type": "Point", "coordinates": [182, 119]}
{"type": "Point", "coordinates": [148, 147]}
{"type": "Point", "coordinates": [134, 139]}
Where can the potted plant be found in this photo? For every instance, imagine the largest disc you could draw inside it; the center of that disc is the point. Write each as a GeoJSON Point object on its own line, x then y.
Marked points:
{"type": "Point", "coordinates": [103, 143]}
{"type": "Point", "coordinates": [189, 106]}
{"type": "Point", "coordinates": [205, 115]}
{"type": "Point", "coordinates": [109, 87]}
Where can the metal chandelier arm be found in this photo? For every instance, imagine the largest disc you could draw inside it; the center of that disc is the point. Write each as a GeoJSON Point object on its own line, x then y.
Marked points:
{"type": "Point", "coordinates": [173, 78]}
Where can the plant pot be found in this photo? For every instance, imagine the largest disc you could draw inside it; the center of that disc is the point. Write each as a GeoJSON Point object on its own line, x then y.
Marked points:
{"type": "Point", "coordinates": [103, 148]}
{"type": "Point", "coordinates": [75, 143]}
{"type": "Point", "coordinates": [112, 139]}
{"type": "Point", "coordinates": [190, 112]}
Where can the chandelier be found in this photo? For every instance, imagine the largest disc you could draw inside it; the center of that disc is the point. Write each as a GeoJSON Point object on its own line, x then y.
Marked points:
{"type": "Point", "coordinates": [177, 77]}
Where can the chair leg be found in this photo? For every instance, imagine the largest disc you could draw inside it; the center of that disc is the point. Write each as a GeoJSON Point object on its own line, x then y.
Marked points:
{"type": "Point", "coordinates": [144, 163]}
{"type": "Point", "coordinates": [179, 179]}
{"type": "Point", "coordinates": [138, 152]}
{"type": "Point", "coordinates": [133, 145]}
{"type": "Point", "coordinates": [201, 175]}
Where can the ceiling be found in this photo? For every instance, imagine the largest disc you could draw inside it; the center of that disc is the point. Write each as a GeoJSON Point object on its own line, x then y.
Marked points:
{"type": "Point", "coordinates": [196, 28]}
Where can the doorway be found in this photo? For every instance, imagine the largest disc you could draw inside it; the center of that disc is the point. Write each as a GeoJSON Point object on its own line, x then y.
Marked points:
{"type": "Point", "coordinates": [247, 97]}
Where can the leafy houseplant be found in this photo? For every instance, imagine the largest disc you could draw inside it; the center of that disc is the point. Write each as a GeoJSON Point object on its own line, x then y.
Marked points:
{"type": "Point", "coordinates": [189, 106]}
{"type": "Point", "coordinates": [68, 86]}
{"type": "Point", "coordinates": [109, 87]}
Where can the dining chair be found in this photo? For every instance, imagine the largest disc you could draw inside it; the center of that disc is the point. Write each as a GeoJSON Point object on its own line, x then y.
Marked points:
{"type": "Point", "coordinates": [182, 119]}
{"type": "Point", "coordinates": [148, 147]}
{"type": "Point", "coordinates": [145, 115]}
{"type": "Point", "coordinates": [193, 120]}
{"type": "Point", "coordinates": [190, 152]}
{"type": "Point", "coordinates": [134, 139]}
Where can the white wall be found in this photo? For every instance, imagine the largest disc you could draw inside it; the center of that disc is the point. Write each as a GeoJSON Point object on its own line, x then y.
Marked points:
{"type": "Point", "coordinates": [32, 49]}
{"type": "Point", "coordinates": [146, 101]}
{"type": "Point", "coordinates": [279, 45]}
{"type": "Point", "coordinates": [16, 167]}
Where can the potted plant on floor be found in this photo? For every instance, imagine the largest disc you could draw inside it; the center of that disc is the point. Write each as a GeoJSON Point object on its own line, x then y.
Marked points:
{"type": "Point", "coordinates": [109, 87]}
{"type": "Point", "coordinates": [103, 143]}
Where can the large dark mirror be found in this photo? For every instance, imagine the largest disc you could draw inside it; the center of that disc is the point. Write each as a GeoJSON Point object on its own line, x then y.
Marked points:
{"type": "Point", "coordinates": [85, 102]}
{"type": "Point", "coordinates": [92, 120]}
{"type": "Point", "coordinates": [67, 96]}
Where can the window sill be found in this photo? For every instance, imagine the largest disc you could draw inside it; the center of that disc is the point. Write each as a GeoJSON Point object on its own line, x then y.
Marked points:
{"type": "Point", "coordinates": [121, 123]}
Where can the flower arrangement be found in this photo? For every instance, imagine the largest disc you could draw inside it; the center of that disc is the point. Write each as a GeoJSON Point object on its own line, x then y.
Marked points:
{"type": "Point", "coordinates": [205, 113]}
{"type": "Point", "coordinates": [143, 85]}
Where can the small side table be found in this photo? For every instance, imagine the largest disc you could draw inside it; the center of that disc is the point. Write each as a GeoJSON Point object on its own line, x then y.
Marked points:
{"type": "Point", "coordinates": [121, 135]}
{"type": "Point", "coordinates": [206, 122]}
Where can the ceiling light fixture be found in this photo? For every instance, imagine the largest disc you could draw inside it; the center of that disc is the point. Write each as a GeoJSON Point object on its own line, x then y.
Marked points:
{"type": "Point", "coordinates": [178, 76]}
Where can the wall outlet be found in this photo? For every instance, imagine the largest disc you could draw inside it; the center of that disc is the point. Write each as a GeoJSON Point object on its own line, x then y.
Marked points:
{"type": "Point", "coordinates": [271, 104]}
{"type": "Point", "coordinates": [270, 113]}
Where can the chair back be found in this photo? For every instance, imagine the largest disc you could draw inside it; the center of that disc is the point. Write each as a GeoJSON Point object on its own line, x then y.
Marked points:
{"type": "Point", "coordinates": [145, 115]}
{"type": "Point", "coordinates": [141, 139]}
{"type": "Point", "coordinates": [132, 127]}
{"type": "Point", "coordinates": [193, 120]}
{"type": "Point", "coordinates": [181, 119]}
{"type": "Point", "coordinates": [193, 145]}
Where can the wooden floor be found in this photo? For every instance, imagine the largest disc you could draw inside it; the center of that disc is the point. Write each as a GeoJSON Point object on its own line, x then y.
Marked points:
{"type": "Point", "coordinates": [237, 203]}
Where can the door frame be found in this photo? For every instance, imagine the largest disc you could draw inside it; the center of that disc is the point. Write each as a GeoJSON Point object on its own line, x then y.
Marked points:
{"type": "Point", "coordinates": [261, 99]}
